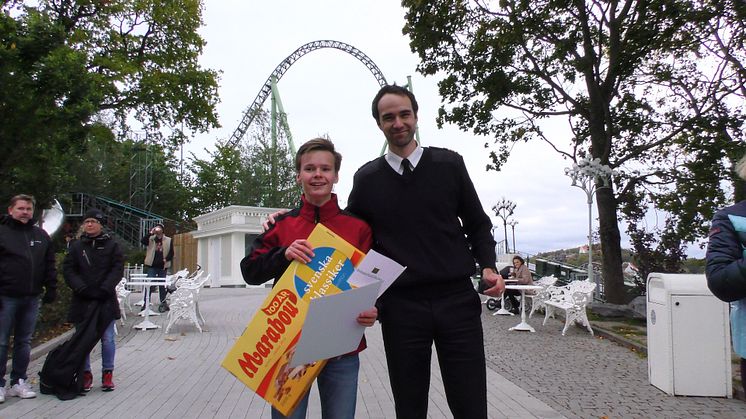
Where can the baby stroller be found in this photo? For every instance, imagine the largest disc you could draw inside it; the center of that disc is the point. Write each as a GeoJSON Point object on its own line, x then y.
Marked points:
{"type": "Point", "coordinates": [176, 281]}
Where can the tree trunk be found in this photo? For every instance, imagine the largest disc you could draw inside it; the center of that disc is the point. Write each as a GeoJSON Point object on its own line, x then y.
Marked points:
{"type": "Point", "coordinates": [611, 248]}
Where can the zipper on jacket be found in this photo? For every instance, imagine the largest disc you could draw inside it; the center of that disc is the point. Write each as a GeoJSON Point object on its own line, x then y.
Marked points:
{"type": "Point", "coordinates": [30, 243]}
{"type": "Point", "coordinates": [85, 255]}
{"type": "Point", "coordinates": [317, 214]}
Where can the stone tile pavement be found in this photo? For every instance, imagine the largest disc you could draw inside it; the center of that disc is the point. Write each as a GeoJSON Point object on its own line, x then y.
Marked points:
{"type": "Point", "coordinates": [530, 375]}
{"type": "Point", "coordinates": [581, 376]}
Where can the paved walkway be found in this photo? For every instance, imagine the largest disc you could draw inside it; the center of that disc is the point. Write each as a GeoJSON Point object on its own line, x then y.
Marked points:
{"type": "Point", "coordinates": [530, 375]}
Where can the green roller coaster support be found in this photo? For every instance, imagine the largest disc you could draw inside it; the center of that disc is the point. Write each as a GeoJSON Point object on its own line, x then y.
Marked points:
{"type": "Point", "coordinates": [278, 113]}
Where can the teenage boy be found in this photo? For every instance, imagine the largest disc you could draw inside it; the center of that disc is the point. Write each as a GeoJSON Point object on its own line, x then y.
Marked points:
{"type": "Point", "coordinates": [317, 165]}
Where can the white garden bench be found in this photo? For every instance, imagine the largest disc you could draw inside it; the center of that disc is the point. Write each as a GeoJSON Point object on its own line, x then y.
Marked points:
{"type": "Point", "coordinates": [573, 299]}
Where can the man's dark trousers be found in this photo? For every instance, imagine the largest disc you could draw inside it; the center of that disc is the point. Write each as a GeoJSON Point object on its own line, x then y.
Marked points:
{"type": "Point", "coordinates": [411, 319]}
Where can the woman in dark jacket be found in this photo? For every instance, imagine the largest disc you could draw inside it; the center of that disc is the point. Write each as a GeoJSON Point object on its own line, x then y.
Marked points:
{"type": "Point", "coordinates": [92, 269]}
{"type": "Point", "coordinates": [726, 267]}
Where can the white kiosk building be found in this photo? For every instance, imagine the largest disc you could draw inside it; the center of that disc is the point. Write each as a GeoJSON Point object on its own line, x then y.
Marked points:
{"type": "Point", "coordinates": [224, 237]}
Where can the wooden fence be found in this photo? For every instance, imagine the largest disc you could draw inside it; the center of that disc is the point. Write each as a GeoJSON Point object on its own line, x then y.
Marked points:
{"type": "Point", "coordinates": [185, 252]}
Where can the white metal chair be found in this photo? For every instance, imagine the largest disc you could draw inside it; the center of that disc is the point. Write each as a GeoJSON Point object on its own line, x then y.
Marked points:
{"type": "Point", "coordinates": [538, 299]}
{"type": "Point", "coordinates": [183, 306]}
{"type": "Point", "coordinates": [185, 303]}
{"type": "Point", "coordinates": [123, 298]}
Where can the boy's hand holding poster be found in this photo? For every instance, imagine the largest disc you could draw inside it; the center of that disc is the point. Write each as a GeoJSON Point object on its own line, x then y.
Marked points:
{"type": "Point", "coordinates": [262, 357]}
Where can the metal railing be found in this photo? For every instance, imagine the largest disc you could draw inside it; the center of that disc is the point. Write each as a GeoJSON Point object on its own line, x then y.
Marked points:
{"type": "Point", "coordinates": [127, 222]}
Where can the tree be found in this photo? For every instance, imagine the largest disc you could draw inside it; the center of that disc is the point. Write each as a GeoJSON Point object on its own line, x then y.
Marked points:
{"type": "Point", "coordinates": [105, 168]}
{"type": "Point", "coordinates": [637, 83]}
{"type": "Point", "coordinates": [255, 173]}
{"type": "Point", "coordinates": [217, 182]}
{"type": "Point", "coordinates": [271, 176]}
{"type": "Point", "coordinates": [63, 62]}
{"type": "Point", "coordinates": [44, 96]}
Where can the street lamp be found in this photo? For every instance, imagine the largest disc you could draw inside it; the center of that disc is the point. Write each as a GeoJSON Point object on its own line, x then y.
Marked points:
{"type": "Point", "coordinates": [504, 209]}
{"type": "Point", "coordinates": [589, 175]}
{"type": "Point", "coordinates": [512, 224]}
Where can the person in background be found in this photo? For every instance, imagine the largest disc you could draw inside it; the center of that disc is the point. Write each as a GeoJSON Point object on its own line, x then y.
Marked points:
{"type": "Point", "coordinates": [27, 266]}
{"type": "Point", "coordinates": [317, 166]}
{"type": "Point", "coordinates": [92, 269]}
{"type": "Point", "coordinates": [725, 267]}
{"type": "Point", "coordinates": [426, 215]}
{"type": "Point", "coordinates": [520, 272]}
{"type": "Point", "coordinates": [159, 252]}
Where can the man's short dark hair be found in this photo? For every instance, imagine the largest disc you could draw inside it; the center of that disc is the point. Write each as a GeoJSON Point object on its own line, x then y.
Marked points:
{"type": "Point", "coordinates": [318, 144]}
{"type": "Point", "coordinates": [396, 90]}
{"type": "Point", "coordinates": [22, 197]}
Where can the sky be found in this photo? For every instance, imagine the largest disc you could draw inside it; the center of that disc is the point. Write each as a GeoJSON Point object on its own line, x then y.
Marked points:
{"type": "Point", "coordinates": [329, 92]}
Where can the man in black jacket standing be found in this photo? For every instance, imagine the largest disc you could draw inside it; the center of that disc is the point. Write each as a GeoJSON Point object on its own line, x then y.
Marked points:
{"type": "Point", "coordinates": [426, 215]}
{"type": "Point", "coordinates": [27, 266]}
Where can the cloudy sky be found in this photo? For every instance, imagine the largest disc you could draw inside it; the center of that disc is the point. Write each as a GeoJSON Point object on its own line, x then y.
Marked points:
{"type": "Point", "coordinates": [329, 92]}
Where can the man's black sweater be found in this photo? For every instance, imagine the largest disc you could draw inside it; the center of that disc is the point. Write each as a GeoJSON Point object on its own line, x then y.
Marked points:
{"type": "Point", "coordinates": [433, 223]}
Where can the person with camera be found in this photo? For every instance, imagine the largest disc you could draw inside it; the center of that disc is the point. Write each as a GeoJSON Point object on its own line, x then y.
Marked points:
{"type": "Point", "coordinates": [159, 252]}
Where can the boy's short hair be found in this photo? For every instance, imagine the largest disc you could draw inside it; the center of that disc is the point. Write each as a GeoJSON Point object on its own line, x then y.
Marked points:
{"type": "Point", "coordinates": [318, 144]}
{"type": "Point", "coordinates": [22, 197]}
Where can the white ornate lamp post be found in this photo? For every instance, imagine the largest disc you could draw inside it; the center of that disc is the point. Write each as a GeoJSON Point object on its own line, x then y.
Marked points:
{"type": "Point", "coordinates": [504, 209]}
{"type": "Point", "coordinates": [512, 224]}
{"type": "Point", "coordinates": [590, 175]}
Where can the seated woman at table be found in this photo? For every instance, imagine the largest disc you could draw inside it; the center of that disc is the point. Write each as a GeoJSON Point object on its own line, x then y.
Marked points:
{"type": "Point", "coordinates": [523, 275]}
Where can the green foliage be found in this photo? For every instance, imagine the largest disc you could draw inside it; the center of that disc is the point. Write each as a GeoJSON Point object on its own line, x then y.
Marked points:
{"type": "Point", "coordinates": [105, 167]}
{"type": "Point", "coordinates": [65, 66]}
{"type": "Point", "coordinates": [258, 174]}
{"type": "Point", "coordinates": [271, 177]}
{"type": "Point", "coordinates": [653, 89]}
{"type": "Point", "coordinates": [217, 181]}
{"type": "Point", "coordinates": [134, 257]}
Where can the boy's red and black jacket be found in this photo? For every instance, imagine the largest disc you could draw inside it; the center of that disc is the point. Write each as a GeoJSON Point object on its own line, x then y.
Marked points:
{"type": "Point", "coordinates": [266, 259]}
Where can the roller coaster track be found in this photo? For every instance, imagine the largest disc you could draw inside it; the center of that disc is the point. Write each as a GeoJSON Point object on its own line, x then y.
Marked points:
{"type": "Point", "coordinates": [277, 74]}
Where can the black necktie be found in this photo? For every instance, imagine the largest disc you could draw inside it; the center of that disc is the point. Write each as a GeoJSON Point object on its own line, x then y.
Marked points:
{"type": "Point", "coordinates": [406, 169]}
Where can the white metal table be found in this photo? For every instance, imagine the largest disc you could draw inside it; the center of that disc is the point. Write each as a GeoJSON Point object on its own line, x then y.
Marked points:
{"type": "Point", "coordinates": [523, 325]}
{"type": "Point", "coordinates": [147, 282]}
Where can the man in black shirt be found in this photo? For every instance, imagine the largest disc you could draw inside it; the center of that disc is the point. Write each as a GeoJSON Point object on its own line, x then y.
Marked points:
{"type": "Point", "coordinates": [426, 215]}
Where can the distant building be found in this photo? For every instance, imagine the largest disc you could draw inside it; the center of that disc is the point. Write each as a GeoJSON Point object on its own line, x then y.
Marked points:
{"type": "Point", "coordinates": [583, 250]}
{"type": "Point", "coordinates": [224, 237]}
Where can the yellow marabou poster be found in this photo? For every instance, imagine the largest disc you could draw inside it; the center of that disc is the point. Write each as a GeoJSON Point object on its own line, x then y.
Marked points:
{"type": "Point", "coordinates": [260, 356]}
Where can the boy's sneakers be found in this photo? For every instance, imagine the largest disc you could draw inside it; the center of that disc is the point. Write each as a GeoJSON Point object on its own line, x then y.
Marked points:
{"type": "Point", "coordinates": [22, 390]}
{"type": "Point", "coordinates": [2, 395]}
{"type": "Point", "coordinates": [107, 381]}
{"type": "Point", "coordinates": [87, 381]}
